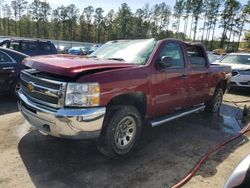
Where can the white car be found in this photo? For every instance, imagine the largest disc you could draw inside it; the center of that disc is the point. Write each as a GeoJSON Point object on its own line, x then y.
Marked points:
{"type": "Point", "coordinates": [240, 63]}
{"type": "Point", "coordinates": [240, 176]}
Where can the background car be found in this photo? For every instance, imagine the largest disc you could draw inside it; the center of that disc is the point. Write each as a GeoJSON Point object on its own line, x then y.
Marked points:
{"type": "Point", "coordinates": [79, 50]}
{"type": "Point", "coordinates": [10, 68]}
{"type": "Point", "coordinates": [214, 58]}
{"type": "Point", "coordinates": [240, 63]}
{"type": "Point", "coordinates": [219, 51]}
{"type": "Point", "coordinates": [30, 47]}
{"type": "Point", "coordinates": [83, 50]}
{"type": "Point", "coordinates": [94, 48]}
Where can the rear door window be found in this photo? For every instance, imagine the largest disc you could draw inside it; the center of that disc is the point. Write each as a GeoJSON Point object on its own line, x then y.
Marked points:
{"type": "Point", "coordinates": [196, 56]}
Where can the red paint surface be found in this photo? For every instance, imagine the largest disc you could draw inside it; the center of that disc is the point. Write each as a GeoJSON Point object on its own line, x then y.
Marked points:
{"type": "Point", "coordinates": [71, 65]}
{"type": "Point", "coordinates": [165, 90]}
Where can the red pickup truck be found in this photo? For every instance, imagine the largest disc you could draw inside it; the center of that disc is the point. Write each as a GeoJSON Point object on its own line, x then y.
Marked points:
{"type": "Point", "coordinates": [120, 88]}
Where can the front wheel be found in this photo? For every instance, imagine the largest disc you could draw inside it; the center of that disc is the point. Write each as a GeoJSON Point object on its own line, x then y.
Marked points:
{"type": "Point", "coordinates": [215, 103]}
{"type": "Point", "coordinates": [122, 132]}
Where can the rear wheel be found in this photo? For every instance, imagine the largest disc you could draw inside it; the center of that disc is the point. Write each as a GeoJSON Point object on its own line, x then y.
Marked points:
{"type": "Point", "coordinates": [215, 103]}
{"type": "Point", "coordinates": [122, 132]}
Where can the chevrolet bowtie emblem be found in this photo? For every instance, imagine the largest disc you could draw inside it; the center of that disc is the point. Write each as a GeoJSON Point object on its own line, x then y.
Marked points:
{"type": "Point", "coordinates": [30, 86]}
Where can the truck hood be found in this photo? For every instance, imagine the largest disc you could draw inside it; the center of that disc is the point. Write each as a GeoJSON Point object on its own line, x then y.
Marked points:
{"type": "Point", "coordinates": [237, 66]}
{"type": "Point", "coordinates": [71, 65]}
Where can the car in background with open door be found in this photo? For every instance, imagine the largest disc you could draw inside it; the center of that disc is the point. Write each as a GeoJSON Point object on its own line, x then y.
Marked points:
{"type": "Point", "coordinates": [10, 68]}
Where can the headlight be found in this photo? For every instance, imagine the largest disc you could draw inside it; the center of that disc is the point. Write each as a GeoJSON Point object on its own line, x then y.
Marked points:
{"type": "Point", "coordinates": [80, 95]}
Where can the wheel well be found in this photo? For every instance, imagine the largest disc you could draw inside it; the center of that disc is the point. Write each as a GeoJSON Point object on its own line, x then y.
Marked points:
{"type": "Point", "coordinates": [137, 100]}
{"type": "Point", "coordinates": [223, 85]}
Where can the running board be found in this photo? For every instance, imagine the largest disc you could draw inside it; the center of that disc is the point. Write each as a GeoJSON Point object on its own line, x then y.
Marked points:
{"type": "Point", "coordinates": [176, 115]}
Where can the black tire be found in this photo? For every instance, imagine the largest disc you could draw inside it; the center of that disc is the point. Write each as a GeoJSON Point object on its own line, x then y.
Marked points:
{"type": "Point", "coordinates": [15, 87]}
{"type": "Point", "coordinates": [213, 105]}
{"type": "Point", "coordinates": [115, 141]}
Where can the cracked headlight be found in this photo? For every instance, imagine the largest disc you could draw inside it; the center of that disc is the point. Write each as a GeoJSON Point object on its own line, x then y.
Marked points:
{"type": "Point", "coordinates": [82, 95]}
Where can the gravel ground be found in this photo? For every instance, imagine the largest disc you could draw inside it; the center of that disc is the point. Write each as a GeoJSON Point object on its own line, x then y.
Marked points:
{"type": "Point", "coordinates": [166, 154]}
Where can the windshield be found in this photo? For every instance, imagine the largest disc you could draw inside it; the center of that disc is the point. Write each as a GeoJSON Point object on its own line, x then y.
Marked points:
{"type": "Point", "coordinates": [131, 51]}
{"type": "Point", "coordinates": [212, 58]}
{"type": "Point", "coordinates": [237, 59]}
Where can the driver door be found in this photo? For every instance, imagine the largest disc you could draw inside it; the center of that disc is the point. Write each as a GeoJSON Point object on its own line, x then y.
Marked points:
{"type": "Point", "coordinates": [169, 85]}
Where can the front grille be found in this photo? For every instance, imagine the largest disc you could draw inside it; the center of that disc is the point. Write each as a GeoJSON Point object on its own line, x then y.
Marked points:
{"type": "Point", "coordinates": [30, 78]}
{"type": "Point", "coordinates": [40, 90]}
{"type": "Point", "coordinates": [245, 83]}
{"type": "Point", "coordinates": [39, 96]}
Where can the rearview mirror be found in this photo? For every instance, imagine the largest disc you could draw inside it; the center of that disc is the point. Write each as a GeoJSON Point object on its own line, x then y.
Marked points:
{"type": "Point", "coordinates": [165, 62]}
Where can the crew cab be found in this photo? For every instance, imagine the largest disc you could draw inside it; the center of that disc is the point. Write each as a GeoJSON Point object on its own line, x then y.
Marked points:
{"type": "Point", "coordinates": [111, 94]}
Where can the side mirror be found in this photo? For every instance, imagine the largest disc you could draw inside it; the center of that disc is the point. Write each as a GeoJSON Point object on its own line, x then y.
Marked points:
{"type": "Point", "coordinates": [165, 62]}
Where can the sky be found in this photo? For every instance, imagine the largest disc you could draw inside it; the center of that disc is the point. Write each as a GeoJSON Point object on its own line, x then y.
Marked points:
{"type": "Point", "coordinates": [115, 4]}
{"type": "Point", "coordinates": [107, 4]}
{"type": "Point", "coordinates": [134, 4]}
{"type": "Point", "coordinates": [112, 4]}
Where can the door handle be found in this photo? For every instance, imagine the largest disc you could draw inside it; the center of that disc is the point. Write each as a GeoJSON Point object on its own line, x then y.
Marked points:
{"type": "Point", "coordinates": [184, 76]}
{"type": "Point", "coordinates": [8, 68]}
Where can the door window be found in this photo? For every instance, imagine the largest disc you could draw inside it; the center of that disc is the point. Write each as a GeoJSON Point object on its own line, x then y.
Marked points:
{"type": "Point", "coordinates": [29, 46]}
{"type": "Point", "coordinates": [196, 56]}
{"type": "Point", "coordinates": [5, 44]}
{"type": "Point", "coordinates": [174, 51]}
{"type": "Point", "coordinates": [14, 45]}
{"type": "Point", "coordinates": [4, 58]}
{"type": "Point", "coordinates": [45, 47]}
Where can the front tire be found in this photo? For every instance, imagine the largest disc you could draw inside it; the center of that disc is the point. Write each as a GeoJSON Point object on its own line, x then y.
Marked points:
{"type": "Point", "coordinates": [214, 104]}
{"type": "Point", "coordinates": [122, 132]}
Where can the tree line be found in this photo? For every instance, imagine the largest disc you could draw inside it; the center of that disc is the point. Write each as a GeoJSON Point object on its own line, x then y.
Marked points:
{"type": "Point", "coordinates": [184, 20]}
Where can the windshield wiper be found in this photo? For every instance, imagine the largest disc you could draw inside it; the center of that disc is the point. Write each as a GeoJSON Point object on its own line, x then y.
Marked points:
{"type": "Point", "coordinates": [116, 58]}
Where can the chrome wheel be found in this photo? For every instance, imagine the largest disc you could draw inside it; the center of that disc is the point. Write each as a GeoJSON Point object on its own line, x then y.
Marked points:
{"type": "Point", "coordinates": [125, 132]}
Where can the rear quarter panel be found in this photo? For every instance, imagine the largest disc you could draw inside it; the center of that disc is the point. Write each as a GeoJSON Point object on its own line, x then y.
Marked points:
{"type": "Point", "coordinates": [218, 73]}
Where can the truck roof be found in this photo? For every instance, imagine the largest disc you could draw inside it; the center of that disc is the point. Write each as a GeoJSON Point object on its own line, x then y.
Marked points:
{"type": "Point", "coordinates": [171, 39]}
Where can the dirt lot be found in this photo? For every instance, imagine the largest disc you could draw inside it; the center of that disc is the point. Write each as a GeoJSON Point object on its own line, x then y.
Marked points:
{"type": "Point", "coordinates": [166, 154]}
